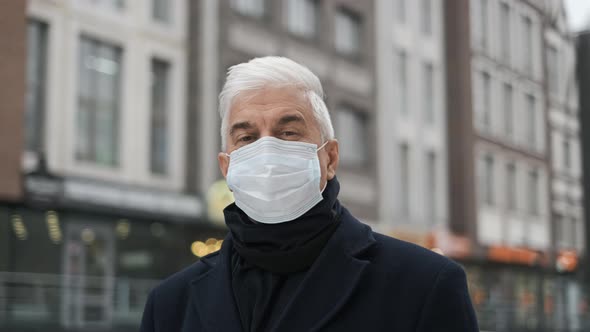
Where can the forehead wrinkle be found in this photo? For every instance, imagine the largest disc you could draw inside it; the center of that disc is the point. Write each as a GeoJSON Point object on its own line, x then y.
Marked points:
{"type": "Point", "coordinates": [295, 96]}
{"type": "Point", "coordinates": [241, 125]}
{"type": "Point", "coordinates": [291, 118]}
{"type": "Point", "coordinates": [262, 100]}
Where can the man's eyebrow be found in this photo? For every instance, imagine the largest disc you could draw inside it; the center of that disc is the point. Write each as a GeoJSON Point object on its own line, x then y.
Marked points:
{"type": "Point", "coordinates": [290, 118]}
{"type": "Point", "coordinates": [240, 125]}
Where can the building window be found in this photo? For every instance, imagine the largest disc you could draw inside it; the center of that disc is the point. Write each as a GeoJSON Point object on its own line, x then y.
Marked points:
{"type": "Point", "coordinates": [533, 193]}
{"type": "Point", "coordinates": [567, 154]}
{"type": "Point", "coordinates": [98, 102]}
{"type": "Point", "coordinates": [490, 181]}
{"type": "Point", "coordinates": [506, 31]}
{"type": "Point", "coordinates": [486, 103]}
{"type": "Point", "coordinates": [508, 109]}
{"type": "Point", "coordinates": [400, 11]}
{"type": "Point", "coordinates": [159, 117]}
{"type": "Point", "coordinates": [531, 120]}
{"type": "Point", "coordinates": [487, 181]}
{"type": "Point", "coordinates": [431, 187]}
{"type": "Point", "coordinates": [252, 8]}
{"type": "Point", "coordinates": [576, 231]}
{"type": "Point", "coordinates": [483, 23]}
{"type": "Point", "coordinates": [36, 85]}
{"type": "Point", "coordinates": [402, 81]}
{"type": "Point", "coordinates": [567, 232]}
{"type": "Point", "coordinates": [428, 85]}
{"type": "Point", "coordinates": [113, 4]}
{"type": "Point", "coordinates": [352, 137]}
{"type": "Point", "coordinates": [527, 50]}
{"type": "Point", "coordinates": [348, 32]}
{"type": "Point", "coordinates": [474, 16]}
{"type": "Point", "coordinates": [511, 197]}
{"type": "Point", "coordinates": [161, 10]}
{"type": "Point", "coordinates": [552, 70]}
{"type": "Point", "coordinates": [303, 17]}
{"type": "Point", "coordinates": [405, 180]}
{"type": "Point", "coordinates": [561, 231]}
{"type": "Point", "coordinates": [426, 17]}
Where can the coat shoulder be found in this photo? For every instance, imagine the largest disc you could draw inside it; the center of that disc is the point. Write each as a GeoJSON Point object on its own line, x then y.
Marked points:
{"type": "Point", "coordinates": [174, 287]}
{"type": "Point", "coordinates": [411, 258]}
{"type": "Point", "coordinates": [163, 310]}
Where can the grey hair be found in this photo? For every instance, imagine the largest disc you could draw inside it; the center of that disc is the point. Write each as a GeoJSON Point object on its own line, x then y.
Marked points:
{"type": "Point", "coordinates": [273, 70]}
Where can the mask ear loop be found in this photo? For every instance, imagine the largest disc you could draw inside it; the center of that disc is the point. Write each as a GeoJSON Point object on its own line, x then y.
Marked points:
{"type": "Point", "coordinates": [318, 149]}
{"type": "Point", "coordinates": [321, 147]}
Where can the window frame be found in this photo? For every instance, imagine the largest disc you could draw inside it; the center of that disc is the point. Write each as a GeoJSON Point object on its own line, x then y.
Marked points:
{"type": "Point", "coordinates": [405, 179]}
{"type": "Point", "coordinates": [486, 102]}
{"type": "Point", "coordinates": [296, 28]}
{"type": "Point", "coordinates": [363, 118]}
{"type": "Point", "coordinates": [402, 81]}
{"type": "Point", "coordinates": [552, 70]}
{"type": "Point", "coordinates": [429, 86]}
{"type": "Point", "coordinates": [161, 115]}
{"type": "Point", "coordinates": [487, 190]}
{"type": "Point", "coordinates": [401, 7]}
{"type": "Point", "coordinates": [505, 37]}
{"type": "Point", "coordinates": [36, 96]}
{"type": "Point", "coordinates": [532, 118]}
{"type": "Point", "coordinates": [528, 54]}
{"type": "Point", "coordinates": [355, 21]}
{"type": "Point", "coordinates": [534, 185]}
{"type": "Point", "coordinates": [240, 7]}
{"type": "Point", "coordinates": [511, 187]}
{"type": "Point", "coordinates": [92, 156]}
{"type": "Point", "coordinates": [432, 186]}
{"type": "Point", "coordinates": [169, 13]}
{"type": "Point", "coordinates": [426, 22]}
{"type": "Point", "coordinates": [508, 101]}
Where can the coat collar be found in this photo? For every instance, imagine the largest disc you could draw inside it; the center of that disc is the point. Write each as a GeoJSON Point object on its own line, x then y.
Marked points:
{"type": "Point", "coordinates": [325, 288]}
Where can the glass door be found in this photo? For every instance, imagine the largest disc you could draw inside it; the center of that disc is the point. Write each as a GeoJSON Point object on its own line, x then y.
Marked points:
{"type": "Point", "coordinates": [87, 281]}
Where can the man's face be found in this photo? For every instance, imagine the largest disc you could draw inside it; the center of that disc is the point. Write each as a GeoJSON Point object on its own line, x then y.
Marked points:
{"type": "Point", "coordinates": [281, 112]}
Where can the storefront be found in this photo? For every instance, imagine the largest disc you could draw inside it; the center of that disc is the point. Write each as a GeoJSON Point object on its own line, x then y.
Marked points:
{"type": "Point", "coordinates": [72, 264]}
{"type": "Point", "coordinates": [516, 298]}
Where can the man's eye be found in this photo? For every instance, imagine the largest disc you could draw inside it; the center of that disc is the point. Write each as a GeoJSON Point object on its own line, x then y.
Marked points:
{"type": "Point", "coordinates": [245, 139]}
{"type": "Point", "coordinates": [289, 133]}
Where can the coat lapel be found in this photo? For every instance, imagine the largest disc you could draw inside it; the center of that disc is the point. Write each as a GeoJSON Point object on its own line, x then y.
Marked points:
{"type": "Point", "coordinates": [331, 279]}
{"type": "Point", "coordinates": [212, 297]}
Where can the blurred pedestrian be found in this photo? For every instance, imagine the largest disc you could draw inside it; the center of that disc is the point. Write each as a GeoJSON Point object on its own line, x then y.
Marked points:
{"type": "Point", "coordinates": [295, 259]}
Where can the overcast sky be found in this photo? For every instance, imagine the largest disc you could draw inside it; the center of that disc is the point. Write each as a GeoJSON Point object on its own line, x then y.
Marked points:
{"type": "Point", "coordinates": [578, 13]}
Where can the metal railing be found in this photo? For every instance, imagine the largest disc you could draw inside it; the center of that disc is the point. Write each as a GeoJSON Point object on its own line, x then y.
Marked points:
{"type": "Point", "coordinates": [71, 301]}
{"type": "Point", "coordinates": [76, 302]}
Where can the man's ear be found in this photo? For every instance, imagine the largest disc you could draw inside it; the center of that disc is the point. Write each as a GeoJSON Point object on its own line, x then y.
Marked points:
{"type": "Point", "coordinates": [223, 160]}
{"type": "Point", "coordinates": [333, 158]}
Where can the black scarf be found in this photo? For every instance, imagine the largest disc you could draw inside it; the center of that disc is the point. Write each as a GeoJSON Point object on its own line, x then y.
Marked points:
{"type": "Point", "coordinates": [290, 246]}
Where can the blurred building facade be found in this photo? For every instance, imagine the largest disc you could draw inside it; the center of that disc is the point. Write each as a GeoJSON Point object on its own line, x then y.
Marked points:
{"type": "Point", "coordinates": [567, 194]}
{"type": "Point", "coordinates": [527, 169]}
{"type": "Point", "coordinates": [104, 210]}
{"type": "Point", "coordinates": [411, 119]}
{"type": "Point", "coordinates": [457, 123]}
{"type": "Point", "coordinates": [514, 215]}
{"type": "Point", "coordinates": [511, 161]}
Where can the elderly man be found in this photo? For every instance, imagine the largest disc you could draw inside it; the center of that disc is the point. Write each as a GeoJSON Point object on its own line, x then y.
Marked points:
{"type": "Point", "coordinates": [295, 259]}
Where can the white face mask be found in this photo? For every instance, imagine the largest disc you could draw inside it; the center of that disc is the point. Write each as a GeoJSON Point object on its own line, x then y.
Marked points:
{"type": "Point", "coordinates": [275, 181]}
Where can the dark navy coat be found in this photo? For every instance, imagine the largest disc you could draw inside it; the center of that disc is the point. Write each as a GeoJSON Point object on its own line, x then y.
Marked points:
{"type": "Point", "coordinates": [361, 281]}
